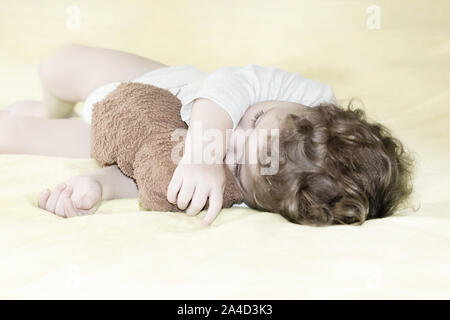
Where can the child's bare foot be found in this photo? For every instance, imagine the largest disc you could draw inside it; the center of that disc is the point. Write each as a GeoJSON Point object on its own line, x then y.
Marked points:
{"type": "Point", "coordinates": [80, 195]}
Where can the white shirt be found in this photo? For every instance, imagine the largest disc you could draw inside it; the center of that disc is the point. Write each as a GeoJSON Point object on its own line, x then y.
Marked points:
{"type": "Point", "coordinates": [233, 88]}
{"type": "Point", "coordinates": [237, 88]}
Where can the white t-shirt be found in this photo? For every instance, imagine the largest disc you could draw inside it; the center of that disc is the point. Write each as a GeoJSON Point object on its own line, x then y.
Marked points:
{"type": "Point", "coordinates": [237, 88]}
{"type": "Point", "coordinates": [233, 88]}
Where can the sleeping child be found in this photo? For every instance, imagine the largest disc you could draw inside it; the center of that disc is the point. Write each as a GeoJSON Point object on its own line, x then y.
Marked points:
{"type": "Point", "coordinates": [333, 166]}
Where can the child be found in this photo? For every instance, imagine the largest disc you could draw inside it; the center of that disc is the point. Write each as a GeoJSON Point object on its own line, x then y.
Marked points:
{"type": "Point", "coordinates": [335, 167]}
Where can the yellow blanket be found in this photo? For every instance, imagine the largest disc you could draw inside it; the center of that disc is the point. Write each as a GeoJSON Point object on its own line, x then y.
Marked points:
{"type": "Point", "coordinates": [394, 57]}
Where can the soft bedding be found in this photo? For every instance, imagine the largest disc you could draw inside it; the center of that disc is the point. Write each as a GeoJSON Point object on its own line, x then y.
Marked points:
{"type": "Point", "coordinates": [399, 73]}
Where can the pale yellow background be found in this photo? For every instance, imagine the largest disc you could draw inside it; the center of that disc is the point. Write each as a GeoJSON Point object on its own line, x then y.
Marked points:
{"type": "Point", "coordinates": [400, 73]}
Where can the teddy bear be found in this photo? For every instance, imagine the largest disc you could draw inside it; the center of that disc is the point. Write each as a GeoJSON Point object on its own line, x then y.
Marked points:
{"type": "Point", "coordinates": [139, 128]}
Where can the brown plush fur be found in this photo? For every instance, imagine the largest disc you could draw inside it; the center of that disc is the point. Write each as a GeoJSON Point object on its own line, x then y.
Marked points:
{"type": "Point", "coordinates": [132, 127]}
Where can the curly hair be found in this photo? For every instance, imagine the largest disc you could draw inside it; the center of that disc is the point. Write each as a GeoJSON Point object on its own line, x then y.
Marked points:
{"type": "Point", "coordinates": [335, 168]}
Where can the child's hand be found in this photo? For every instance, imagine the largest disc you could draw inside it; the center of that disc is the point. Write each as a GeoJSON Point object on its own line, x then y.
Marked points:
{"type": "Point", "coordinates": [78, 196]}
{"type": "Point", "coordinates": [194, 184]}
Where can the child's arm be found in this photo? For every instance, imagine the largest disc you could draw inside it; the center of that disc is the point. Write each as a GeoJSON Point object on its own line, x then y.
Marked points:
{"type": "Point", "coordinates": [81, 195]}
{"type": "Point", "coordinates": [192, 184]}
{"type": "Point", "coordinates": [115, 185]}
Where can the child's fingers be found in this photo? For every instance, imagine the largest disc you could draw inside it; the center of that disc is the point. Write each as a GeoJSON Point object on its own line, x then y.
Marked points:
{"type": "Point", "coordinates": [59, 210]}
{"type": "Point", "coordinates": [53, 199]}
{"type": "Point", "coordinates": [92, 210]}
{"type": "Point", "coordinates": [87, 202]}
{"type": "Point", "coordinates": [70, 209]}
{"type": "Point", "coordinates": [185, 195]}
{"type": "Point", "coordinates": [43, 198]}
{"type": "Point", "coordinates": [198, 201]}
{"type": "Point", "coordinates": [173, 188]}
{"type": "Point", "coordinates": [215, 205]}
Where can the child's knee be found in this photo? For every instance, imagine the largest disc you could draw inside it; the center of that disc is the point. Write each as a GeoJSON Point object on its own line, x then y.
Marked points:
{"type": "Point", "coordinates": [51, 68]}
{"type": "Point", "coordinates": [60, 74]}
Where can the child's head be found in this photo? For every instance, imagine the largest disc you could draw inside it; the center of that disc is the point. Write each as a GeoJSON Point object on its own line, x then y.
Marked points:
{"type": "Point", "coordinates": [334, 166]}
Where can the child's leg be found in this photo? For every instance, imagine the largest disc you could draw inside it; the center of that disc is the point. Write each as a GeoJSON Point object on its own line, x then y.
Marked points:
{"type": "Point", "coordinates": [26, 107]}
{"type": "Point", "coordinates": [51, 137]}
{"type": "Point", "coordinates": [67, 77]}
{"type": "Point", "coordinates": [70, 74]}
